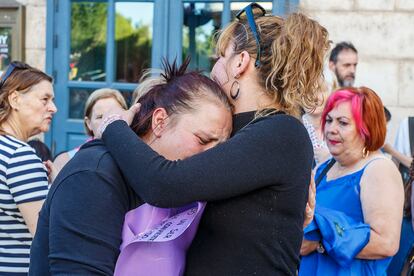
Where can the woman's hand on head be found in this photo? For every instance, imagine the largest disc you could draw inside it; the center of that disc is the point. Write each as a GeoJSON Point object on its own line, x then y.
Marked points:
{"type": "Point", "coordinates": [117, 114]}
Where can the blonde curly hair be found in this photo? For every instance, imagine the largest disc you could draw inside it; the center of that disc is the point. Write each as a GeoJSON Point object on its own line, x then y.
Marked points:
{"type": "Point", "coordinates": [293, 52]}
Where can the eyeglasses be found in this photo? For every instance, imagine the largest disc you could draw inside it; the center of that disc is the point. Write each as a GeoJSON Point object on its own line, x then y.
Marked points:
{"type": "Point", "coordinates": [260, 11]}
{"type": "Point", "coordinates": [12, 66]}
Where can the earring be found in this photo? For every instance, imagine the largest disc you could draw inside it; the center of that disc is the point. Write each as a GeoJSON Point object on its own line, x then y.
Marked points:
{"type": "Point", "coordinates": [233, 86]}
{"type": "Point", "coordinates": [365, 152]}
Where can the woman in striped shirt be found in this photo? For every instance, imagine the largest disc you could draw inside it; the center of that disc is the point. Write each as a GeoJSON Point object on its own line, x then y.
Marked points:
{"type": "Point", "coordinates": [26, 109]}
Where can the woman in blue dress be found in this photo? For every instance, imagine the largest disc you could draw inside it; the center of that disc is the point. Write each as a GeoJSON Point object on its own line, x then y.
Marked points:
{"type": "Point", "coordinates": [356, 228]}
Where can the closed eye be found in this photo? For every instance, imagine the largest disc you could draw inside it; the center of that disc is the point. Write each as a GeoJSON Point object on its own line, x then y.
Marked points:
{"type": "Point", "coordinates": [202, 141]}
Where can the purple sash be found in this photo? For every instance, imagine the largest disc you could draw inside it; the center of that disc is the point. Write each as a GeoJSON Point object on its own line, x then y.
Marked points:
{"type": "Point", "coordinates": [155, 240]}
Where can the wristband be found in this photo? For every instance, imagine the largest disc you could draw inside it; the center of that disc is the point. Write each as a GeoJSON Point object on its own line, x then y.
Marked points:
{"type": "Point", "coordinates": [107, 121]}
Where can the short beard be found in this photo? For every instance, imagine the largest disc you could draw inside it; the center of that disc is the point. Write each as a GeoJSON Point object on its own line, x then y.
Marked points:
{"type": "Point", "coordinates": [342, 82]}
{"type": "Point", "coordinates": [346, 83]}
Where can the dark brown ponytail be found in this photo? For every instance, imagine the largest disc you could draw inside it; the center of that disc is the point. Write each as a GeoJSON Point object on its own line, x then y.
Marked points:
{"type": "Point", "coordinates": [177, 91]}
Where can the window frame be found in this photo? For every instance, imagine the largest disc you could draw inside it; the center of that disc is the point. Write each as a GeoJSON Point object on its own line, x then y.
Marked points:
{"type": "Point", "coordinates": [167, 40]}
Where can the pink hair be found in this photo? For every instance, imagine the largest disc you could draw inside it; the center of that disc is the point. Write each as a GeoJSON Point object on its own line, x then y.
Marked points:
{"type": "Point", "coordinates": [356, 100]}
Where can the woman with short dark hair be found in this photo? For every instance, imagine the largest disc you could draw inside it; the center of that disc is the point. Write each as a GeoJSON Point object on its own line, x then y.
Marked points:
{"type": "Point", "coordinates": [80, 224]}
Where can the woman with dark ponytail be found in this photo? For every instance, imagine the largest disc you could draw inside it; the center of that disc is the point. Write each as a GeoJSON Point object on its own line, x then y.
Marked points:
{"type": "Point", "coordinates": [80, 224]}
{"type": "Point", "coordinates": [255, 184]}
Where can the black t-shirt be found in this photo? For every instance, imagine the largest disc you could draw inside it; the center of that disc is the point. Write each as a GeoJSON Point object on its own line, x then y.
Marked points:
{"type": "Point", "coordinates": [256, 185]}
{"type": "Point", "coordinates": [80, 224]}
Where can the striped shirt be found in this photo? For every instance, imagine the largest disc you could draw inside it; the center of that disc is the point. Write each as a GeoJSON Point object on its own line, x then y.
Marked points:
{"type": "Point", "coordinates": [23, 179]}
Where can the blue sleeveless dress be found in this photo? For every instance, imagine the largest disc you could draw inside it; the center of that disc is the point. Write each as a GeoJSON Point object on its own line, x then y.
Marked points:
{"type": "Point", "coordinates": [340, 198]}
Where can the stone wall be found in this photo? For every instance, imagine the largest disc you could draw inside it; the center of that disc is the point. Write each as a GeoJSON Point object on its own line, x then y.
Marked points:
{"type": "Point", "coordinates": [35, 32]}
{"type": "Point", "coordinates": [35, 35]}
{"type": "Point", "coordinates": [383, 33]}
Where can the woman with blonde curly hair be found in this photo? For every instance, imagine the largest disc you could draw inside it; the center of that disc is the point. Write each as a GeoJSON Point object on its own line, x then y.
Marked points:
{"type": "Point", "coordinates": [256, 184]}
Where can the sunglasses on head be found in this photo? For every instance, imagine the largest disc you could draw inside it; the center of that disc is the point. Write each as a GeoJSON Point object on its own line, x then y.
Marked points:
{"type": "Point", "coordinates": [12, 66]}
{"type": "Point", "coordinates": [251, 10]}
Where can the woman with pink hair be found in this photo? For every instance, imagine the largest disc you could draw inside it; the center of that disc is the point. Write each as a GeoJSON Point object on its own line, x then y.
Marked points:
{"type": "Point", "coordinates": [356, 228]}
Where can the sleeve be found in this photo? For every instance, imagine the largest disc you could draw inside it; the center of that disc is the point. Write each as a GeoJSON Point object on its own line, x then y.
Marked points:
{"type": "Point", "coordinates": [402, 138]}
{"type": "Point", "coordinates": [272, 151]}
{"type": "Point", "coordinates": [26, 176]}
{"type": "Point", "coordinates": [85, 225]}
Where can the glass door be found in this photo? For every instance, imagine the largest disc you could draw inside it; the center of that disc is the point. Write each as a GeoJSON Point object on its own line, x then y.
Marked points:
{"type": "Point", "coordinates": [202, 19]}
{"type": "Point", "coordinates": [96, 44]}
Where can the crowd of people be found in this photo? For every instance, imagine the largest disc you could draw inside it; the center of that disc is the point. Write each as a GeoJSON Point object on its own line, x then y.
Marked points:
{"type": "Point", "coordinates": [265, 168]}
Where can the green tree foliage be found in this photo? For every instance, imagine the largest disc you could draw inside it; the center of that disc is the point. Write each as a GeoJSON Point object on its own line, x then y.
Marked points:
{"type": "Point", "coordinates": [88, 26]}
{"type": "Point", "coordinates": [204, 23]}
{"type": "Point", "coordinates": [133, 46]}
{"type": "Point", "coordinates": [88, 43]}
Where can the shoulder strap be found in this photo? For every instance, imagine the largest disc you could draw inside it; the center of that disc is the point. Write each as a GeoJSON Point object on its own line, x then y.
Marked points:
{"type": "Point", "coordinates": [372, 160]}
{"type": "Point", "coordinates": [325, 171]}
{"type": "Point", "coordinates": [411, 133]}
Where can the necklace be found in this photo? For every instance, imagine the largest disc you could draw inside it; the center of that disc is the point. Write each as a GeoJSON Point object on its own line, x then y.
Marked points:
{"type": "Point", "coordinates": [261, 114]}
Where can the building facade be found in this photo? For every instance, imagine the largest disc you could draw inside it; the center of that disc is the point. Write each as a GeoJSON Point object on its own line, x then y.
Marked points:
{"type": "Point", "coordinates": [383, 33]}
{"type": "Point", "coordinates": [91, 44]}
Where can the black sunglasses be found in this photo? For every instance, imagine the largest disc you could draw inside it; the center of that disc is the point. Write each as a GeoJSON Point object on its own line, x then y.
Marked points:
{"type": "Point", "coordinates": [12, 66]}
{"type": "Point", "coordinates": [252, 24]}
